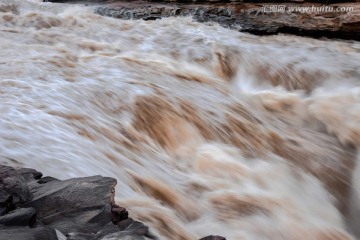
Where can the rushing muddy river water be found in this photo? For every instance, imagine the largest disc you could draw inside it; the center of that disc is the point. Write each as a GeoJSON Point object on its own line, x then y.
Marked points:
{"type": "Point", "coordinates": [207, 130]}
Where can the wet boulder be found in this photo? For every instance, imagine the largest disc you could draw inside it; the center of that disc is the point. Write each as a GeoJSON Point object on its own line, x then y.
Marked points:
{"type": "Point", "coordinates": [46, 208]}
{"type": "Point", "coordinates": [13, 188]}
{"type": "Point", "coordinates": [36, 207]}
{"type": "Point", "coordinates": [19, 217]}
{"type": "Point", "coordinates": [26, 233]}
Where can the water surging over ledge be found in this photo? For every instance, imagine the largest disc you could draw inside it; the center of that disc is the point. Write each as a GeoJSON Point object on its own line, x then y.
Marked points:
{"type": "Point", "coordinates": [206, 129]}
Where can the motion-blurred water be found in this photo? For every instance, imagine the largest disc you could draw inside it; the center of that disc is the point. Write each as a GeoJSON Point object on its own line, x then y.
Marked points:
{"type": "Point", "coordinates": [208, 130]}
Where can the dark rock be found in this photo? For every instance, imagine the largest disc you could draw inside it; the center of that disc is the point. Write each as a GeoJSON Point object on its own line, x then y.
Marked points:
{"type": "Point", "coordinates": [29, 174]}
{"type": "Point", "coordinates": [19, 217]}
{"type": "Point", "coordinates": [136, 227]}
{"type": "Point", "coordinates": [208, 1]}
{"type": "Point", "coordinates": [79, 208]}
{"type": "Point", "coordinates": [73, 209]}
{"type": "Point", "coordinates": [118, 214]}
{"type": "Point", "coordinates": [211, 237]}
{"type": "Point", "coordinates": [3, 210]}
{"type": "Point", "coordinates": [5, 198]}
{"type": "Point", "coordinates": [72, 204]}
{"type": "Point", "coordinates": [25, 233]}
{"type": "Point", "coordinates": [12, 183]}
{"type": "Point", "coordinates": [46, 180]}
{"type": "Point", "coordinates": [151, 18]}
{"type": "Point", "coordinates": [127, 229]}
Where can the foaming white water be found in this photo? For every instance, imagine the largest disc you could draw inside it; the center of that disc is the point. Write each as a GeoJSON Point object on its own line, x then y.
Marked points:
{"type": "Point", "coordinates": [248, 137]}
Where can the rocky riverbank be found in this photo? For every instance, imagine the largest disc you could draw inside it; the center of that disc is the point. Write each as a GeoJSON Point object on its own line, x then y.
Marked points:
{"type": "Point", "coordinates": [45, 208]}
{"type": "Point", "coordinates": [340, 19]}
{"type": "Point", "coordinates": [261, 19]}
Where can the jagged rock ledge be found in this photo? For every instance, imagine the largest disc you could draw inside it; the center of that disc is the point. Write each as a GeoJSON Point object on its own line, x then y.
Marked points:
{"type": "Point", "coordinates": [33, 207]}
{"type": "Point", "coordinates": [255, 18]}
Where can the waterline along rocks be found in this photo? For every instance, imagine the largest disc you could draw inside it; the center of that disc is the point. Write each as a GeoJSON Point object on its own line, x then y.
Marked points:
{"type": "Point", "coordinates": [340, 19]}
{"type": "Point", "coordinates": [45, 208]}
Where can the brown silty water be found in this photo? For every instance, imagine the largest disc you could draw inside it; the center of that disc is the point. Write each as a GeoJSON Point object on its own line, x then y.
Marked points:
{"type": "Point", "coordinates": [207, 130]}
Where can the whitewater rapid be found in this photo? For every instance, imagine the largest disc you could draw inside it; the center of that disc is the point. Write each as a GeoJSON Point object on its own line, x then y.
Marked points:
{"type": "Point", "coordinates": [207, 130]}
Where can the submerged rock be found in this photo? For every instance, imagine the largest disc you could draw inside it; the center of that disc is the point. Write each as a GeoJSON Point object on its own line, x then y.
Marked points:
{"type": "Point", "coordinates": [213, 238]}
